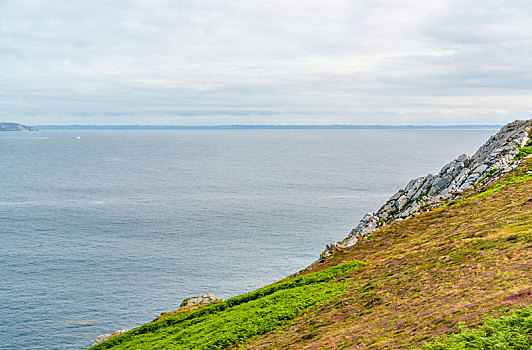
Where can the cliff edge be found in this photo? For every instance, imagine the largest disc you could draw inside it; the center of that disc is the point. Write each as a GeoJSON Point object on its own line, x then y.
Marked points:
{"type": "Point", "coordinates": [496, 157]}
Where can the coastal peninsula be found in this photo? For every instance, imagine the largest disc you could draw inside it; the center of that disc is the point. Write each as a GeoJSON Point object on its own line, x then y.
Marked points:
{"type": "Point", "coordinates": [15, 127]}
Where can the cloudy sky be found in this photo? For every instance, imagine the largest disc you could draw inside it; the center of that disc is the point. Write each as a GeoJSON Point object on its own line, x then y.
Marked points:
{"type": "Point", "coordinates": [215, 62]}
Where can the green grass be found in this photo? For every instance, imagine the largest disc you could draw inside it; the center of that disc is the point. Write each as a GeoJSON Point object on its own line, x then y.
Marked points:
{"type": "Point", "coordinates": [523, 152]}
{"type": "Point", "coordinates": [513, 331]}
{"type": "Point", "coordinates": [488, 175]}
{"type": "Point", "coordinates": [425, 275]}
{"type": "Point", "coordinates": [238, 318]}
{"type": "Point", "coordinates": [492, 190]}
{"type": "Point", "coordinates": [527, 150]}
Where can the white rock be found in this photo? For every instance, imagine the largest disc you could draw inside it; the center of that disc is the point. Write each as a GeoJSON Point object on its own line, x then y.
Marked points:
{"type": "Point", "coordinates": [104, 337]}
{"type": "Point", "coordinates": [480, 169]}
{"type": "Point", "coordinates": [200, 300]}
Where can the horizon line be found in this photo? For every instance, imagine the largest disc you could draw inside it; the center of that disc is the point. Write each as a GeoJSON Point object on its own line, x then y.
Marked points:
{"type": "Point", "coordinates": [265, 126]}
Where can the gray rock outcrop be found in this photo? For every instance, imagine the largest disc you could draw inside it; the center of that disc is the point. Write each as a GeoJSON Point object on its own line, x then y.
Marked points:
{"type": "Point", "coordinates": [104, 337]}
{"type": "Point", "coordinates": [494, 158]}
{"type": "Point", "coordinates": [201, 300]}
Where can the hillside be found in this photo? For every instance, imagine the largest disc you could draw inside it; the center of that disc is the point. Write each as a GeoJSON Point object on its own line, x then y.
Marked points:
{"type": "Point", "coordinates": [406, 283]}
{"type": "Point", "coordinates": [15, 127]}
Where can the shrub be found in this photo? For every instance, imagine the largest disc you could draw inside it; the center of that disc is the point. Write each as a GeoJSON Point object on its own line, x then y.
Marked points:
{"type": "Point", "coordinates": [513, 331]}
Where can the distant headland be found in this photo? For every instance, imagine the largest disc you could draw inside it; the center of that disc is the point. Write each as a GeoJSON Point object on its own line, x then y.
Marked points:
{"type": "Point", "coordinates": [15, 127]}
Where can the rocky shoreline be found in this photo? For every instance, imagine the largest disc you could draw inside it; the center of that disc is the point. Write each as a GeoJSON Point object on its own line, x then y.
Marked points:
{"type": "Point", "coordinates": [496, 157]}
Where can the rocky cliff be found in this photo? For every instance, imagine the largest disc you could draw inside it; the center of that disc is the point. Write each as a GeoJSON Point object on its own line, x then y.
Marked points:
{"type": "Point", "coordinates": [496, 157]}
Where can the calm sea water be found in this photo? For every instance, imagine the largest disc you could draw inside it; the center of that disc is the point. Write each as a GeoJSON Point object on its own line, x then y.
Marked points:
{"type": "Point", "coordinates": [107, 231]}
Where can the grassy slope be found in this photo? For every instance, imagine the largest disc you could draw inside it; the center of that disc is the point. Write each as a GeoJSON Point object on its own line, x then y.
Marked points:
{"type": "Point", "coordinates": [239, 318]}
{"type": "Point", "coordinates": [512, 331]}
{"type": "Point", "coordinates": [421, 277]}
{"type": "Point", "coordinates": [454, 264]}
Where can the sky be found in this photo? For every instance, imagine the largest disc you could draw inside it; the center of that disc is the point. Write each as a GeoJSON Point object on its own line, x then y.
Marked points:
{"type": "Point", "coordinates": [209, 62]}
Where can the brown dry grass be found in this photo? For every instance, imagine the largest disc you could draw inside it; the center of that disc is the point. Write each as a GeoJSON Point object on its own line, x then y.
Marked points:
{"type": "Point", "coordinates": [424, 275]}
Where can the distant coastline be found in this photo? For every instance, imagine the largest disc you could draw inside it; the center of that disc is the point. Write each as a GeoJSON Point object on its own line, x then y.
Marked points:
{"type": "Point", "coordinates": [273, 127]}
{"type": "Point", "coordinates": [15, 127]}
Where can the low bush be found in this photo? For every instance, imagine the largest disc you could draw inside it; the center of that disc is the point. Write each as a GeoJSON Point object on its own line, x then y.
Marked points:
{"type": "Point", "coordinates": [523, 152]}
{"type": "Point", "coordinates": [238, 318]}
{"type": "Point", "coordinates": [513, 331]}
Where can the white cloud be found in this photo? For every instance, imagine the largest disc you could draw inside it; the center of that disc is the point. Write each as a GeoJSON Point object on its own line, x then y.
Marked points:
{"type": "Point", "coordinates": [216, 62]}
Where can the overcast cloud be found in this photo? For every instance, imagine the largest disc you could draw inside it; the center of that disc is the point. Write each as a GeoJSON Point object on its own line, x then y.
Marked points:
{"type": "Point", "coordinates": [265, 62]}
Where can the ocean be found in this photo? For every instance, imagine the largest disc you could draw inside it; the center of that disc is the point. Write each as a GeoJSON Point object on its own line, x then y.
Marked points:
{"type": "Point", "coordinates": [105, 229]}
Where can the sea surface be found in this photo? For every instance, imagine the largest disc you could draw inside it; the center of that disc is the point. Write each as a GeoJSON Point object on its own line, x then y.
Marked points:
{"type": "Point", "coordinates": [108, 230]}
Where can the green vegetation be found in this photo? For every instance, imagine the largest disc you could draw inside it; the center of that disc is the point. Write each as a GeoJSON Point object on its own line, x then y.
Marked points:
{"type": "Point", "coordinates": [523, 152]}
{"type": "Point", "coordinates": [513, 331]}
{"type": "Point", "coordinates": [238, 318]}
{"type": "Point", "coordinates": [488, 175]}
{"type": "Point", "coordinates": [426, 275]}
{"type": "Point", "coordinates": [492, 189]}
{"type": "Point", "coordinates": [492, 171]}
{"type": "Point", "coordinates": [527, 150]}
{"type": "Point", "coordinates": [424, 194]}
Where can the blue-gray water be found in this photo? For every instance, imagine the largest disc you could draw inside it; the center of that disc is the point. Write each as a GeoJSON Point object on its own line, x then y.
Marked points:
{"type": "Point", "coordinates": [118, 226]}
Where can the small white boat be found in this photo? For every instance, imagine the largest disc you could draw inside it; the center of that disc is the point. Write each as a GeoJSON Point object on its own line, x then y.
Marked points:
{"type": "Point", "coordinates": [78, 137]}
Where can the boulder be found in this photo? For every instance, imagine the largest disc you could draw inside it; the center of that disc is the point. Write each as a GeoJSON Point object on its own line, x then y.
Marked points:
{"type": "Point", "coordinates": [200, 300]}
{"type": "Point", "coordinates": [104, 337]}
